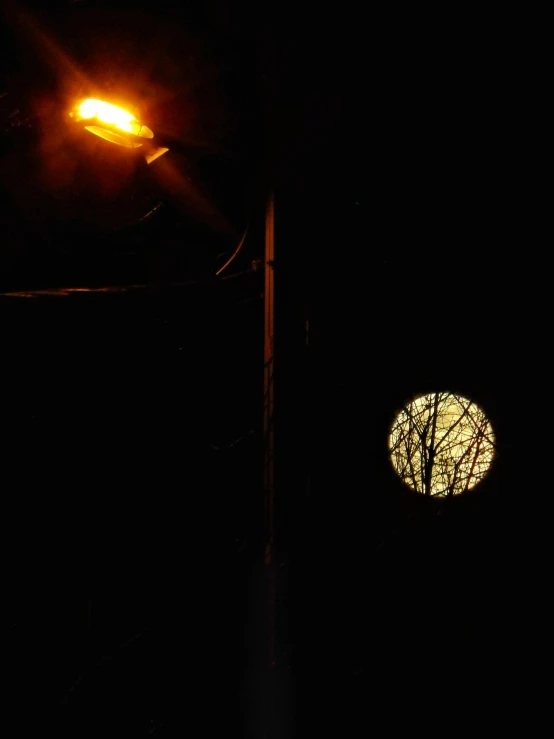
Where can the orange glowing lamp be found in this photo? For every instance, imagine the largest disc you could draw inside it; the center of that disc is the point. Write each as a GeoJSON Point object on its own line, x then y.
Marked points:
{"type": "Point", "coordinates": [118, 126]}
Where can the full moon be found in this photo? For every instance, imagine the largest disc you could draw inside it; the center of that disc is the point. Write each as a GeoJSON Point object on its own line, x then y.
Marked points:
{"type": "Point", "coordinates": [441, 444]}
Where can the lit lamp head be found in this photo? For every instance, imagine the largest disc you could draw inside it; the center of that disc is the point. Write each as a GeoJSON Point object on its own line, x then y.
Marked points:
{"type": "Point", "coordinates": [118, 126]}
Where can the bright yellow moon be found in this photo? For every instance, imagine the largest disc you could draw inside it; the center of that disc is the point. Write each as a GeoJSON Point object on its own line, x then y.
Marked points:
{"type": "Point", "coordinates": [441, 444]}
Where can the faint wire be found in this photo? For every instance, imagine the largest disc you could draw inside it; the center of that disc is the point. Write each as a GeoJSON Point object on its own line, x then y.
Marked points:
{"type": "Point", "coordinates": [235, 253]}
{"type": "Point", "coordinates": [60, 291]}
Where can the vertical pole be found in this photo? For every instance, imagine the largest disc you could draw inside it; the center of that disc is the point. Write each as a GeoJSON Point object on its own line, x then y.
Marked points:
{"type": "Point", "coordinates": [269, 438]}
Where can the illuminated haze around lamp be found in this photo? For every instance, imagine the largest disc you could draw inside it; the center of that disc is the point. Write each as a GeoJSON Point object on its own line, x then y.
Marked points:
{"type": "Point", "coordinates": [441, 444]}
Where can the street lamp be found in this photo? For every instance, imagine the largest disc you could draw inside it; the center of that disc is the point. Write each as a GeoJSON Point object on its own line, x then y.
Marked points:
{"type": "Point", "coordinates": [116, 125]}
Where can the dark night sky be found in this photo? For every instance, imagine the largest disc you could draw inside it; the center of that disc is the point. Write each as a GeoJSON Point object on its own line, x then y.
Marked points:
{"type": "Point", "coordinates": [414, 166]}
{"type": "Point", "coordinates": [407, 232]}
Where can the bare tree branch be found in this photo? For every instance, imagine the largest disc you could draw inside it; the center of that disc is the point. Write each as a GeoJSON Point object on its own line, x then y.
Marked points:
{"type": "Point", "coordinates": [441, 444]}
